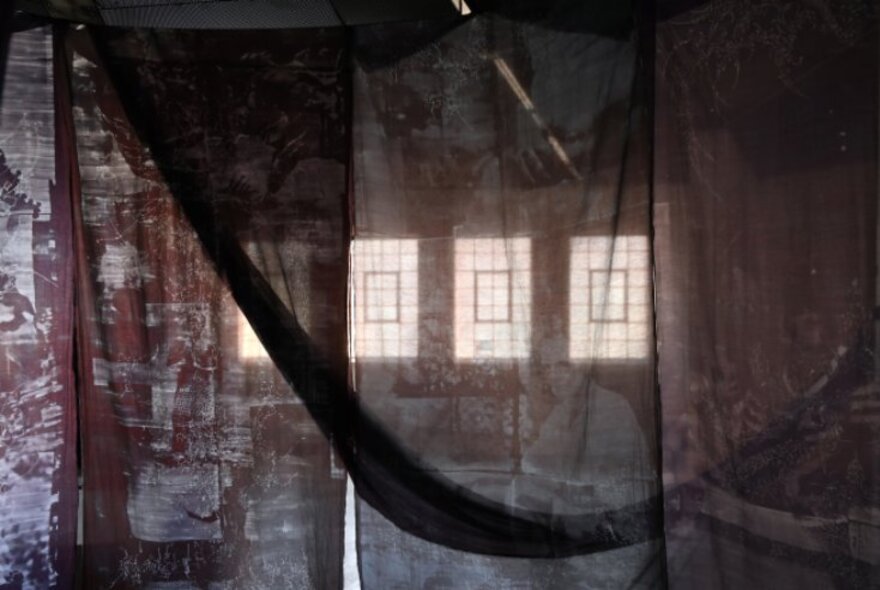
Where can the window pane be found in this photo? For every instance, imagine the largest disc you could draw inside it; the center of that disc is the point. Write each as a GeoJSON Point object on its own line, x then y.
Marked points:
{"type": "Point", "coordinates": [609, 315]}
{"type": "Point", "coordinates": [249, 346]}
{"type": "Point", "coordinates": [384, 298]}
{"type": "Point", "coordinates": [493, 298]}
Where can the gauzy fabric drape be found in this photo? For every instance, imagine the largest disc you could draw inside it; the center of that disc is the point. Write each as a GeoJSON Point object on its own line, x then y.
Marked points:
{"type": "Point", "coordinates": [766, 194]}
{"type": "Point", "coordinates": [501, 317]}
{"type": "Point", "coordinates": [501, 397]}
{"type": "Point", "coordinates": [201, 466]}
{"type": "Point", "coordinates": [38, 483]}
{"type": "Point", "coordinates": [424, 258]}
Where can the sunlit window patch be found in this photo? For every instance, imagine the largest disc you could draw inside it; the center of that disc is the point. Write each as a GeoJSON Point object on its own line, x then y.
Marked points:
{"type": "Point", "coordinates": [384, 298]}
{"type": "Point", "coordinates": [493, 298]}
{"type": "Point", "coordinates": [249, 346]}
{"type": "Point", "coordinates": [609, 298]}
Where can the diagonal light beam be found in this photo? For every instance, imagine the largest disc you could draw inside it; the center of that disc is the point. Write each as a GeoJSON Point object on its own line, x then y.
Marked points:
{"type": "Point", "coordinates": [523, 97]}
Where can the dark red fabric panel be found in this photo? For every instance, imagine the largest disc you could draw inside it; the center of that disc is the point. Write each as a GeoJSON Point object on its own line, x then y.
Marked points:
{"type": "Point", "coordinates": [765, 214]}
{"type": "Point", "coordinates": [201, 465]}
{"type": "Point", "coordinates": [38, 485]}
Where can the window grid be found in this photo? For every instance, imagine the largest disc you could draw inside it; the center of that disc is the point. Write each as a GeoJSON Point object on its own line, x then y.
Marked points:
{"type": "Point", "coordinates": [608, 296]}
{"type": "Point", "coordinates": [249, 346]}
{"type": "Point", "coordinates": [384, 298]}
{"type": "Point", "coordinates": [492, 298]}
{"type": "Point", "coordinates": [609, 301]}
{"type": "Point", "coordinates": [382, 294]}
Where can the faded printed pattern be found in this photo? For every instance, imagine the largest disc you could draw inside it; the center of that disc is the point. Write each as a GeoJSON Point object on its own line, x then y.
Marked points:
{"type": "Point", "coordinates": [498, 130]}
{"type": "Point", "coordinates": [202, 468]}
{"type": "Point", "coordinates": [766, 171]}
{"type": "Point", "coordinates": [37, 437]}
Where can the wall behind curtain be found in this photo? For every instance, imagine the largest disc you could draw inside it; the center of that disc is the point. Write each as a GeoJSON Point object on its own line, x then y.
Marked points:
{"type": "Point", "coordinates": [37, 408]}
{"type": "Point", "coordinates": [201, 466]}
{"type": "Point", "coordinates": [766, 187]}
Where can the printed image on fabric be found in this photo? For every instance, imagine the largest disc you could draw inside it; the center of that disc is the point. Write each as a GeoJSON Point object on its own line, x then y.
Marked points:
{"type": "Point", "coordinates": [37, 410]}
{"type": "Point", "coordinates": [202, 467]}
{"type": "Point", "coordinates": [766, 234]}
{"type": "Point", "coordinates": [496, 145]}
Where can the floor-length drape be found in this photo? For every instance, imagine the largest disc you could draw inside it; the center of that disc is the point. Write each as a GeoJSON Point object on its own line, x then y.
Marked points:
{"type": "Point", "coordinates": [209, 164]}
{"type": "Point", "coordinates": [502, 325]}
{"type": "Point", "coordinates": [38, 485]}
{"type": "Point", "coordinates": [201, 153]}
{"type": "Point", "coordinates": [766, 215]}
{"type": "Point", "coordinates": [430, 259]}
{"type": "Point", "coordinates": [201, 466]}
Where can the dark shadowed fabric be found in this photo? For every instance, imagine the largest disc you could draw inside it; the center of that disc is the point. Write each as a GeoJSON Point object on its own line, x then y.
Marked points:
{"type": "Point", "coordinates": [502, 325]}
{"type": "Point", "coordinates": [37, 408]}
{"type": "Point", "coordinates": [766, 196]}
{"type": "Point", "coordinates": [202, 468]}
{"type": "Point", "coordinates": [529, 442]}
{"type": "Point", "coordinates": [392, 474]}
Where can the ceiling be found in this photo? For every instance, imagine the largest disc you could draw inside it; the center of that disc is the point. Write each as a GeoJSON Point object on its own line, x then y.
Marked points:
{"type": "Point", "coordinates": [241, 14]}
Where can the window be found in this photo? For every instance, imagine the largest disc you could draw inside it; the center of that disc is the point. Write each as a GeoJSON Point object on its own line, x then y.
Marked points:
{"type": "Point", "coordinates": [493, 298]}
{"type": "Point", "coordinates": [278, 259]}
{"type": "Point", "coordinates": [609, 302]}
{"type": "Point", "coordinates": [384, 298]}
{"type": "Point", "coordinates": [249, 346]}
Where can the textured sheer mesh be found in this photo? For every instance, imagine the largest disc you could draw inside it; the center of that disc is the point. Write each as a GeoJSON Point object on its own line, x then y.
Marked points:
{"type": "Point", "coordinates": [766, 188]}
{"type": "Point", "coordinates": [502, 293]}
{"type": "Point", "coordinates": [376, 307]}
{"type": "Point", "coordinates": [241, 185]}
{"type": "Point", "coordinates": [202, 466]}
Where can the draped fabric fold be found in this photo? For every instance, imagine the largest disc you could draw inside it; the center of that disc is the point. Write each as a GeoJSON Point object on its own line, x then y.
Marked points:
{"type": "Point", "coordinates": [766, 158]}
{"type": "Point", "coordinates": [537, 298]}
{"type": "Point", "coordinates": [196, 154]}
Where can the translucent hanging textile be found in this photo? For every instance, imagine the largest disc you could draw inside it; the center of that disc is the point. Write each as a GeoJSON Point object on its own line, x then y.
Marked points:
{"type": "Point", "coordinates": [501, 320]}
{"type": "Point", "coordinates": [766, 213]}
{"type": "Point", "coordinates": [202, 467]}
{"type": "Point", "coordinates": [423, 256]}
{"type": "Point", "coordinates": [38, 483]}
{"type": "Point", "coordinates": [249, 157]}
